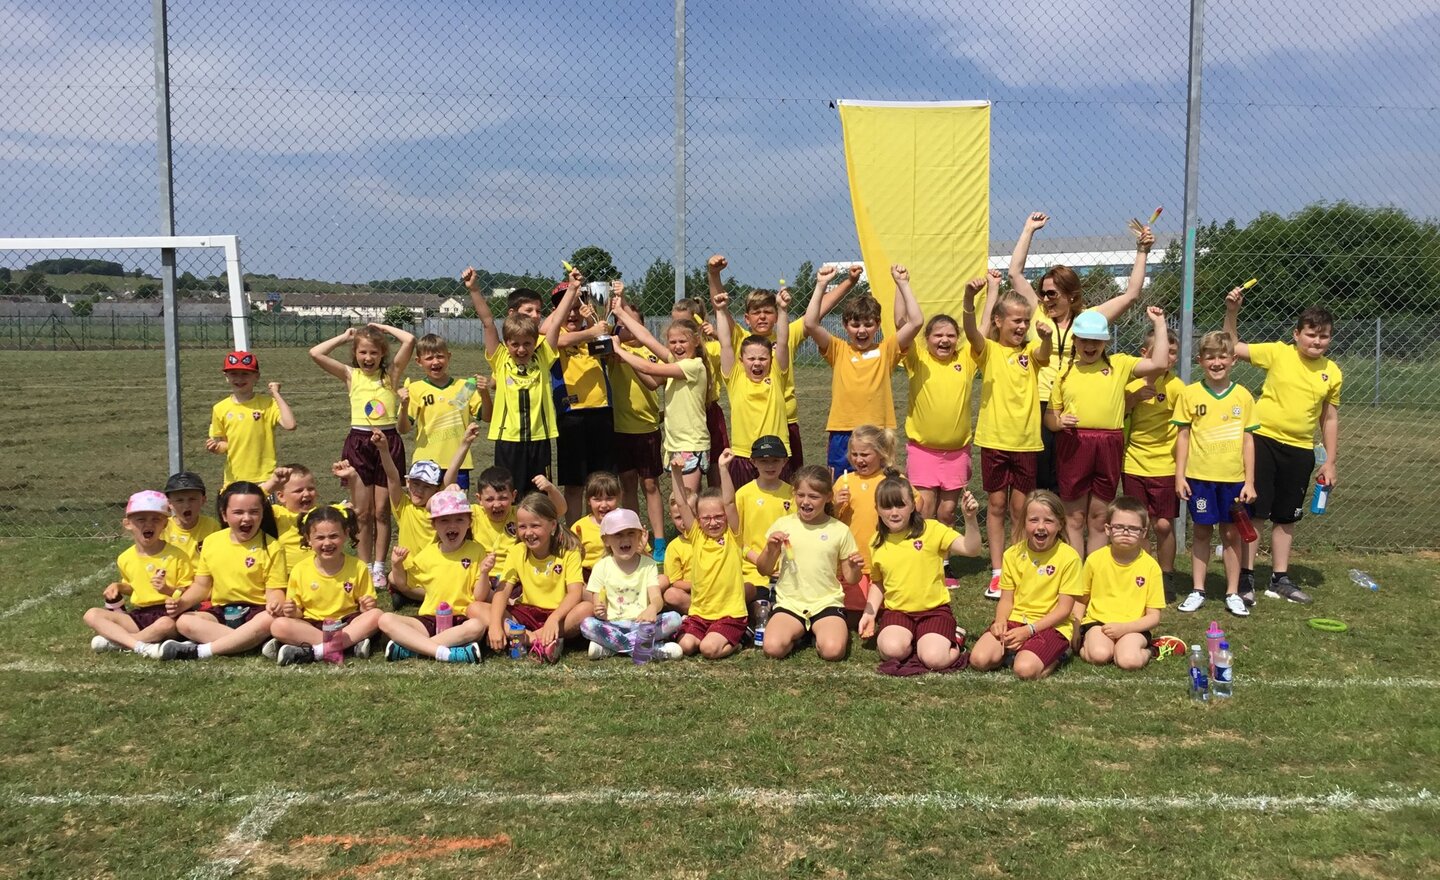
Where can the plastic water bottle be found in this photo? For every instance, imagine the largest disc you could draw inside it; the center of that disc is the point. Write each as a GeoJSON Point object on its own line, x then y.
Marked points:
{"type": "Point", "coordinates": [444, 617]}
{"type": "Point", "coordinates": [1320, 500]}
{"type": "Point", "coordinates": [1363, 579]}
{"type": "Point", "coordinates": [1222, 682]}
{"type": "Point", "coordinates": [1199, 680]}
{"type": "Point", "coordinates": [762, 617]}
{"type": "Point", "coordinates": [643, 646]}
{"type": "Point", "coordinates": [1214, 636]}
{"type": "Point", "coordinates": [514, 637]}
{"type": "Point", "coordinates": [1241, 518]}
{"type": "Point", "coordinates": [330, 630]}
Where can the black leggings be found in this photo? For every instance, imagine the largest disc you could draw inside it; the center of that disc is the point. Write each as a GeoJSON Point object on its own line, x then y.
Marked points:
{"type": "Point", "coordinates": [1045, 461]}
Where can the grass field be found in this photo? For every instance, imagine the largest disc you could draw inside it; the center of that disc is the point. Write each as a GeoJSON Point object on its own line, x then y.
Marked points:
{"type": "Point", "coordinates": [1325, 764]}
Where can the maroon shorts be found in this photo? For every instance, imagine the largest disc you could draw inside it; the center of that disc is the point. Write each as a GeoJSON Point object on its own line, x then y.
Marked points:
{"type": "Point", "coordinates": [731, 628]}
{"type": "Point", "coordinates": [365, 458]}
{"type": "Point", "coordinates": [1087, 462]}
{"type": "Point", "coordinates": [1002, 469]}
{"type": "Point", "coordinates": [1156, 493]}
{"type": "Point", "coordinates": [1047, 644]}
{"type": "Point", "coordinates": [797, 451]}
{"type": "Point", "coordinates": [638, 452]}
{"type": "Point", "coordinates": [240, 614]}
{"type": "Point", "coordinates": [146, 616]}
{"type": "Point", "coordinates": [940, 621]}
{"type": "Point", "coordinates": [530, 617]}
{"type": "Point", "coordinates": [426, 620]}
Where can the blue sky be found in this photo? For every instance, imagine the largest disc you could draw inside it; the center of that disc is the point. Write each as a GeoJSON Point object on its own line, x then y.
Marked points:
{"type": "Point", "coordinates": [364, 140]}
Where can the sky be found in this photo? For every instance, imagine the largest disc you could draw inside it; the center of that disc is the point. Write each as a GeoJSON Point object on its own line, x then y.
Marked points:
{"type": "Point", "coordinates": [356, 140]}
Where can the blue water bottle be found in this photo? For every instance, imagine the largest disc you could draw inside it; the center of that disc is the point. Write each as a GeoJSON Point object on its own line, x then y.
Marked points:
{"type": "Point", "coordinates": [1321, 499]}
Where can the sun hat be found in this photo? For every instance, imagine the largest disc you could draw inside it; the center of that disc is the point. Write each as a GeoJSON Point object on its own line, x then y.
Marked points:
{"type": "Point", "coordinates": [424, 471]}
{"type": "Point", "coordinates": [448, 504]}
{"type": "Point", "coordinates": [241, 361]}
{"type": "Point", "coordinates": [148, 501]}
{"type": "Point", "coordinates": [619, 520]}
{"type": "Point", "coordinates": [1090, 324]}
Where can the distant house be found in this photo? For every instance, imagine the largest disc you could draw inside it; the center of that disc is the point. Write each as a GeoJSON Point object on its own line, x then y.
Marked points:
{"type": "Point", "coordinates": [453, 307]}
{"type": "Point", "coordinates": [154, 309]}
{"type": "Point", "coordinates": [356, 307]}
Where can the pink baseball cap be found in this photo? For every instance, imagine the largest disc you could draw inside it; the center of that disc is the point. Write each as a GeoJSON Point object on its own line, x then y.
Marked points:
{"type": "Point", "coordinates": [448, 503]}
{"type": "Point", "coordinates": [619, 520]}
{"type": "Point", "coordinates": [148, 501]}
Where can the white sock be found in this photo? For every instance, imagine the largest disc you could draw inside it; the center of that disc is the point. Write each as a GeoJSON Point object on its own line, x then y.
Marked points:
{"type": "Point", "coordinates": [994, 572]}
{"type": "Point", "coordinates": [319, 651]}
{"type": "Point", "coordinates": [203, 652]}
{"type": "Point", "coordinates": [442, 653]}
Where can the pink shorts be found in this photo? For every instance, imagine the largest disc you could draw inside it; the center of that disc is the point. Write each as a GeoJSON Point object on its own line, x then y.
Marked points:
{"type": "Point", "coordinates": [944, 469]}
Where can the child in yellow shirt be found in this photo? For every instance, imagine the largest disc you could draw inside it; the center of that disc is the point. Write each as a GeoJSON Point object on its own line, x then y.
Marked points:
{"type": "Point", "coordinates": [189, 525]}
{"type": "Point", "coordinates": [327, 587]}
{"type": "Point", "coordinates": [151, 572]}
{"type": "Point", "coordinates": [242, 426]}
{"type": "Point", "coordinates": [717, 618]}
{"type": "Point", "coordinates": [1123, 592]}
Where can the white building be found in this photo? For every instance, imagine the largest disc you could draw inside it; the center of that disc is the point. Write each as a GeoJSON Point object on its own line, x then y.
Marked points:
{"type": "Point", "coordinates": [359, 308]}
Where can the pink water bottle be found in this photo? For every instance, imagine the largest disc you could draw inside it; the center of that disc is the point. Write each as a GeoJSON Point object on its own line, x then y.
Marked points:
{"type": "Point", "coordinates": [1241, 518]}
{"type": "Point", "coordinates": [444, 617]}
{"type": "Point", "coordinates": [331, 632]}
{"type": "Point", "coordinates": [1213, 637]}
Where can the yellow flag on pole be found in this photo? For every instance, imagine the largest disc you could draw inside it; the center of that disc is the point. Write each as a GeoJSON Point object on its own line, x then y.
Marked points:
{"type": "Point", "coordinates": [920, 188]}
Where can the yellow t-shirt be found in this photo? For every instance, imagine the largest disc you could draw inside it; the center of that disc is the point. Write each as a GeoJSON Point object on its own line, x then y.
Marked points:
{"type": "Point", "coordinates": [860, 513]}
{"type": "Point", "coordinates": [717, 589]}
{"type": "Point", "coordinates": [1038, 579]}
{"type": "Point", "coordinates": [189, 541]}
{"type": "Point", "coordinates": [1009, 398]}
{"type": "Point", "coordinates": [137, 570]}
{"type": "Point", "coordinates": [288, 523]}
{"type": "Point", "coordinates": [320, 595]}
{"type": "Point", "coordinates": [445, 577]}
{"type": "Point", "coordinates": [441, 414]}
{"type": "Point", "coordinates": [1095, 393]}
{"type": "Point", "coordinates": [911, 571]}
{"type": "Point", "coordinates": [758, 509]}
{"type": "Point", "coordinates": [637, 408]}
{"type": "Point", "coordinates": [1294, 393]}
{"type": "Point", "coordinates": [782, 373]}
{"type": "Point", "coordinates": [1218, 423]}
{"type": "Point", "coordinates": [679, 559]}
{"type": "Point", "coordinates": [1062, 350]}
{"type": "Point", "coordinates": [413, 527]}
{"type": "Point", "coordinates": [860, 384]}
{"type": "Point", "coordinates": [586, 383]}
{"type": "Point", "coordinates": [810, 564]}
{"type": "Point", "coordinates": [543, 582]}
{"type": "Point", "coordinates": [241, 573]}
{"type": "Point", "coordinates": [524, 408]}
{"type": "Point", "coordinates": [756, 409]}
{"type": "Point", "coordinates": [685, 427]}
{"type": "Point", "coordinates": [717, 380]}
{"type": "Point", "coordinates": [626, 595]}
{"type": "Point", "coordinates": [249, 428]}
{"type": "Point", "coordinates": [493, 537]}
{"type": "Point", "coordinates": [373, 403]}
{"type": "Point", "coordinates": [938, 413]}
{"type": "Point", "coordinates": [1150, 447]}
{"type": "Point", "coordinates": [1121, 593]}
{"type": "Point", "coordinates": [592, 546]}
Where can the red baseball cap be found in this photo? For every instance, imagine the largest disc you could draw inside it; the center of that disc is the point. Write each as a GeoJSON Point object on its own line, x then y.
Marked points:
{"type": "Point", "coordinates": [242, 361]}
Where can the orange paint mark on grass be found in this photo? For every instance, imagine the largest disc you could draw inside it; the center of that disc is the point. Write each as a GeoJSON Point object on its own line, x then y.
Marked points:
{"type": "Point", "coordinates": [413, 849]}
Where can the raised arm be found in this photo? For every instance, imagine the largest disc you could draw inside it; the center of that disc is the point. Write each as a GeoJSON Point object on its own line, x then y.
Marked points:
{"type": "Point", "coordinates": [904, 296]}
{"type": "Point", "coordinates": [992, 295]}
{"type": "Point", "coordinates": [636, 326]}
{"type": "Point", "coordinates": [452, 473]}
{"type": "Point", "coordinates": [395, 485]}
{"type": "Point", "coordinates": [682, 498]}
{"type": "Point", "coordinates": [724, 325]}
{"type": "Point", "coordinates": [1159, 358]}
{"type": "Point", "coordinates": [402, 354]}
{"type": "Point", "coordinates": [1033, 224]}
{"type": "Point", "coordinates": [972, 331]}
{"type": "Point", "coordinates": [1233, 301]}
{"type": "Point", "coordinates": [567, 302]}
{"type": "Point", "coordinates": [727, 488]}
{"type": "Point", "coordinates": [815, 310]}
{"type": "Point", "coordinates": [320, 354]}
{"type": "Point", "coordinates": [644, 368]}
{"type": "Point", "coordinates": [782, 334]}
{"type": "Point", "coordinates": [968, 544]}
{"type": "Point", "coordinates": [471, 278]}
{"type": "Point", "coordinates": [287, 418]}
{"type": "Point", "coordinates": [1114, 307]}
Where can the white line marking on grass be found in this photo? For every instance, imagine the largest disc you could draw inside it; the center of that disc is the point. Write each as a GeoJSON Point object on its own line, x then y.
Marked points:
{"type": "Point", "coordinates": [64, 588]}
{"type": "Point", "coordinates": [271, 806]}
{"type": "Point", "coordinates": [223, 668]}
{"type": "Point", "coordinates": [246, 836]}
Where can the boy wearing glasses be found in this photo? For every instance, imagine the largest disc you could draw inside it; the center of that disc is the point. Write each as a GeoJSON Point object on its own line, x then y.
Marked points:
{"type": "Point", "coordinates": [1123, 592]}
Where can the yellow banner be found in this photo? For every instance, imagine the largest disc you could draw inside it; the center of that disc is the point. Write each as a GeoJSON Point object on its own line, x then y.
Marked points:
{"type": "Point", "coordinates": [920, 188]}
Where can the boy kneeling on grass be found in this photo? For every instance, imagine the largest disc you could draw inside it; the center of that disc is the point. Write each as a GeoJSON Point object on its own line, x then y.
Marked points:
{"type": "Point", "coordinates": [1124, 592]}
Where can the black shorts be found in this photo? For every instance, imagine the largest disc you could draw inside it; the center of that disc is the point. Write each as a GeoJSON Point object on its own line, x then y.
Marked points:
{"type": "Point", "coordinates": [1085, 628]}
{"type": "Point", "coordinates": [1046, 476]}
{"type": "Point", "coordinates": [525, 460]}
{"type": "Point", "coordinates": [809, 624]}
{"type": "Point", "coordinates": [639, 453]}
{"type": "Point", "coordinates": [1282, 477]}
{"type": "Point", "coordinates": [586, 445]}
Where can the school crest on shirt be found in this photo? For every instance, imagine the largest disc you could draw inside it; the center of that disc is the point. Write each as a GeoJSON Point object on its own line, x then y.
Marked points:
{"type": "Point", "coordinates": [255, 416]}
{"type": "Point", "coordinates": [1140, 581]}
{"type": "Point", "coordinates": [1024, 361]}
{"type": "Point", "coordinates": [510, 529]}
{"type": "Point", "coordinates": [1045, 570]}
{"type": "Point", "coordinates": [720, 541]}
{"type": "Point", "coordinates": [767, 380]}
{"type": "Point", "coordinates": [786, 505]}
{"type": "Point", "coordinates": [249, 561]}
{"type": "Point", "coordinates": [557, 568]}
{"type": "Point", "coordinates": [1104, 371]}
{"type": "Point", "coordinates": [1160, 398]}
{"type": "Point", "coordinates": [348, 587]}
{"type": "Point", "coordinates": [918, 545]}
{"type": "Point", "coordinates": [956, 368]}
{"type": "Point", "coordinates": [824, 536]}
{"type": "Point", "coordinates": [465, 563]}
{"type": "Point", "coordinates": [1324, 377]}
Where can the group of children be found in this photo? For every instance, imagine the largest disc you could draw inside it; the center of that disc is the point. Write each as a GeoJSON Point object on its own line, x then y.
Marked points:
{"type": "Point", "coordinates": [804, 553]}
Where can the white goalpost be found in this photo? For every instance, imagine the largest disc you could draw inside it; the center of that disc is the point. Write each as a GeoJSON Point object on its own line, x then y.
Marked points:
{"type": "Point", "coordinates": [167, 245]}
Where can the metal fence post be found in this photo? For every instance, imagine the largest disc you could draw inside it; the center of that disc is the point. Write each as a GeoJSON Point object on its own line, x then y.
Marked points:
{"type": "Point", "coordinates": [1192, 194]}
{"type": "Point", "coordinates": [168, 316]}
{"type": "Point", "coordinates": [679, 149]}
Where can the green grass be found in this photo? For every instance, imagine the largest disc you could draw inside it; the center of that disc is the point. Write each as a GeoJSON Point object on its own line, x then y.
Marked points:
{"type": "Point", "coordinates": [742, 768]}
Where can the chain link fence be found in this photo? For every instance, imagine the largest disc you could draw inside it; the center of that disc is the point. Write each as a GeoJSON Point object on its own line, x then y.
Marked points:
{"type": "Point", "coordinates": [383, 147]}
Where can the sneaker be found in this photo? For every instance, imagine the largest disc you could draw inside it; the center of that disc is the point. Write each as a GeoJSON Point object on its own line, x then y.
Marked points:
{"type": "Point", "coordinates": [1192, 602]}
{"type": "Point", "coordinates": [378, 578]}
{"type": "Point", "coordinates": [102, 645]}
{"type": "Point", "coordinates": [668, 651]}
{"type": "Point", "coordinates": [547, 653]}
{"type": "Point", "coordinates": [993, 591]}
{"type": "Point", "coordinates": [1236, 606]}
{"type": "Point", "coordinates": [1285, 589]}
{"type": "Point", "coordinates": [361, 650]}
{"type": "Point", "coordinates": [599, 651]}
{"type": "Point", "coordinates": [148, 649]}
{"type": "Point", "coordinates": [271, 649]}
{"type": "Point", "coordinates": [394, 651]}
{"type": "Point", "coordinates": [1247, 587]}
{"type": "Point", "coordinates": [465, 653]}
{"type": "Point", "coordinates": [170, 649]}
{"type": "Point", "coordinates": [290, 655]}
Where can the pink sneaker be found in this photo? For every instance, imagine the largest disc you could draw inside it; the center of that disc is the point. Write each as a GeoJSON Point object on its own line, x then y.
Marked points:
{"type": "Point", "coordinates": [993, 591]}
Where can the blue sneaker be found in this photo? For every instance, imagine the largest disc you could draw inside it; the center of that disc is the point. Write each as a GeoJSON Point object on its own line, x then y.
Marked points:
{"type": "Point", "coordinates": [394, 651]}
{"type": "Point", "coordinates": [659, 552]}
{"type": "Point", "coordinates": [465, 653]}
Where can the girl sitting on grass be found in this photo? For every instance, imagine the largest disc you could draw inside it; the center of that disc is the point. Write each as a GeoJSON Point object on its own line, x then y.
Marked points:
{"type": "Point", "coordinates": [544, 571]}
{"type": "Point", "coordinates": [329, 584]}
{"type": "Point", "coordinates": [150, 572]}
{"type": "Point", "coordinates": [627, 591]}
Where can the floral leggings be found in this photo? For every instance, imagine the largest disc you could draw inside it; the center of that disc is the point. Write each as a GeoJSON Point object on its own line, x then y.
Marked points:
{"type": "Point", "coordinates": [619, 635]}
